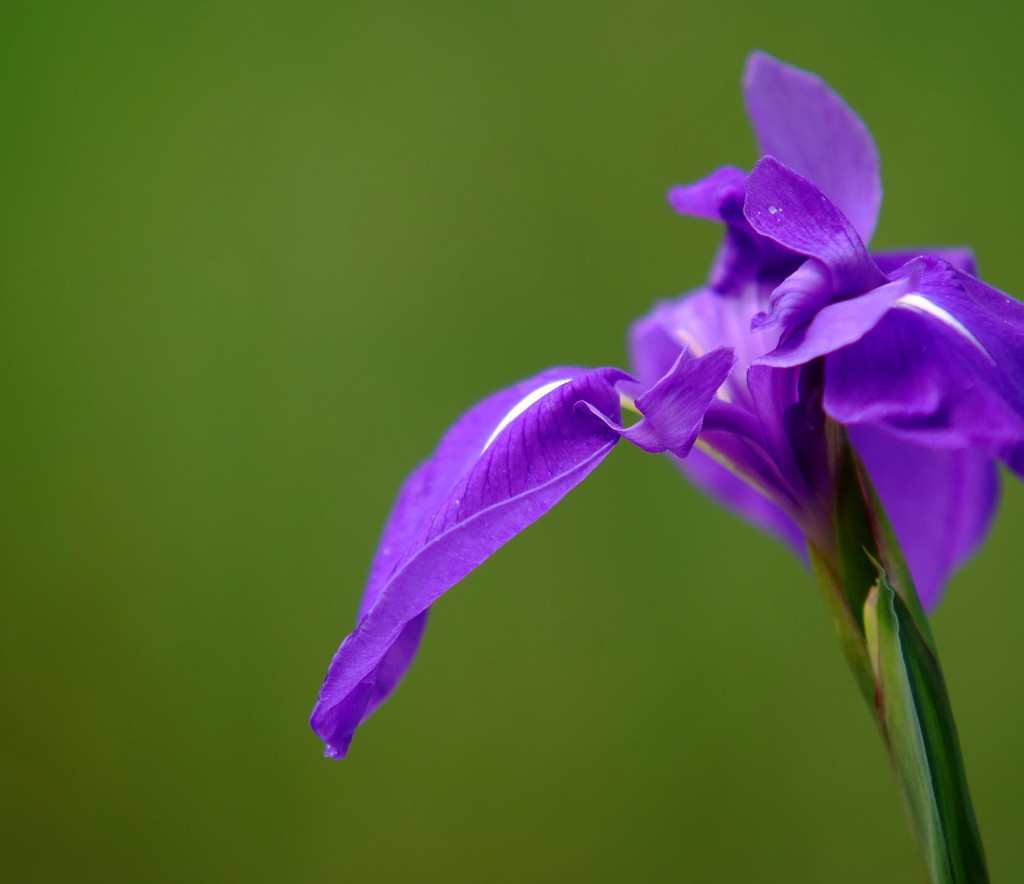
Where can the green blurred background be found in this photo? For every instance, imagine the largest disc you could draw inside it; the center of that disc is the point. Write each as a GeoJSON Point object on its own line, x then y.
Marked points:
{"type": "Point", "coordinates": [255, 257]}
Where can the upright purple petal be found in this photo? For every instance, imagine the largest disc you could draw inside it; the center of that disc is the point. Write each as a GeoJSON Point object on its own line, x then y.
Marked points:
{"type": "Point", "coordinates": [718, 197]}
{"type": "Point", "coordinates": [501, 467]}
{"type": "Point", "coordinates": [800, 120]}
{"type": "Point", "coordinates": [940, 503]}
{"type": "Point", "coordinates": [789, 209]}
{"type": "Point", "coordinates": [652, 346]}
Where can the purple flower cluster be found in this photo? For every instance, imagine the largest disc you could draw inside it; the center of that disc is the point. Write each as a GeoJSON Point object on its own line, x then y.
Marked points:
{"type": "Point", "coordinates": [798, 325]}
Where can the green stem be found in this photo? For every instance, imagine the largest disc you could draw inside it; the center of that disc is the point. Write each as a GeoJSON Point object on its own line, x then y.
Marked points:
{"type": "Point", "coordinates": [885, 636]}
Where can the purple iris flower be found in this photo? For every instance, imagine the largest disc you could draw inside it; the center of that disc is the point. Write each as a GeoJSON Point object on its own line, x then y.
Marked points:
{"type": "Point", "coordinates": [923, 362]}
{"type": "Point", "coordinates": [797, 326]}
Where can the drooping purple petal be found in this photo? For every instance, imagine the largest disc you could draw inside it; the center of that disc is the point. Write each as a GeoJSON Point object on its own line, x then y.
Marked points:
{"type": "Point", "coordinates": [991, 317]}
{"type": "Point", "coordinates": [420, 496]}
{"type": "Point", "coordinates": [789, 209]}
{"type": "Point", "coordinates": [800, 120]}
{"type": "Point", "coordinates": [896, 373]}
{"type": "Point", "coordinates": [427, 486]}
{"type": "Point", "coordinates": [500, 468]}
{"type": "Point", "coordinates": [944, 367]}
{"type": "Point", "coordinates": [997, 322]}
{"type": "Point", "coordinates": [940, 503]}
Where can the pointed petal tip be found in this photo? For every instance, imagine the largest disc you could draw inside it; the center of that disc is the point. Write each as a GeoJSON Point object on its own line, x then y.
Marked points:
{"type": "Point", "coordinates": [799, 118]}
{"type": "Point", "coordinates": [337, 753]}
{"type": "Point", "coordinates": [335, 722]}
{"type": "Point", "coordinates": [333, 747]}
{"type": "Point", "coordinates": [757, 64]}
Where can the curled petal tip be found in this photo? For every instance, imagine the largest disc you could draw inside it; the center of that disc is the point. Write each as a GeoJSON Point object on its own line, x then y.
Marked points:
{"type": "Point", "coordinates": [674, 408]}
{"type": "Point", "coordinates": [717, 197]}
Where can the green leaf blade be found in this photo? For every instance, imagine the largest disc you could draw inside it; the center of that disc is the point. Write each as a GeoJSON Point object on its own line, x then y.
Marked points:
{"type": "Point", "coordinates": [916, 718]}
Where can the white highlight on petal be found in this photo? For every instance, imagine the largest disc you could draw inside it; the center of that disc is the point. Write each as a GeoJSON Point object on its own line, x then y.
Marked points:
{"type": "Point", "coordinates": [920, 303]}
{"type": "Point", "coordinates": [521, 406]}
{"type": "Point", "coordinates": [685, 339]}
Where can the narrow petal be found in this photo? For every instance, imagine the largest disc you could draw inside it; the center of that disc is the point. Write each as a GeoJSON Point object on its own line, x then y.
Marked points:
{"type": "Point", "coordinates": [674, 408]}
{"type": "Point", "coordinates": [796, 299]}
{"type": "Point", "coordinates": [837, 325]}
{"type": "Point", "coordinates": [789, 209]}
{"type": "Point", "coordinates": [799, 119]}
{"type": "Point", "coordinates": [743, 255]}
{"type": "Point", "coordinates": [788, 407]}
{"type": "Point", "coordinates": [425, 489]}
{"type": "Point", "coordinates": [499, 469]}
{"type": "Point", "coordinates": [940, 503]}
{"type": "Point", "coordinates": [736, 439]}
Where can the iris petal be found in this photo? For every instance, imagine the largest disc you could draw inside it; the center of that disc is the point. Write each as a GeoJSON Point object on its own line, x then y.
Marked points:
{"type": "Point", "coordinates": [940, 502]}
{"type": "Point", "coordinates": [803, 122]}
{"type": "Point", "coordinates": [734, 493]}
{"type": "Point", "coordinates": [960, 257]}
{"type": "Point", "coordinates": [944, 367]}
{"type": "Point", "coordinates": [718, 197]}
{"type": "Point", "coordinates": [674, 407]}
{"type": "Point", "coordinates": [452, 513]}
{"type": "Point", "coordinates": [789, 209]}
{"type": "Point", "coordinates": [837, 325]}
